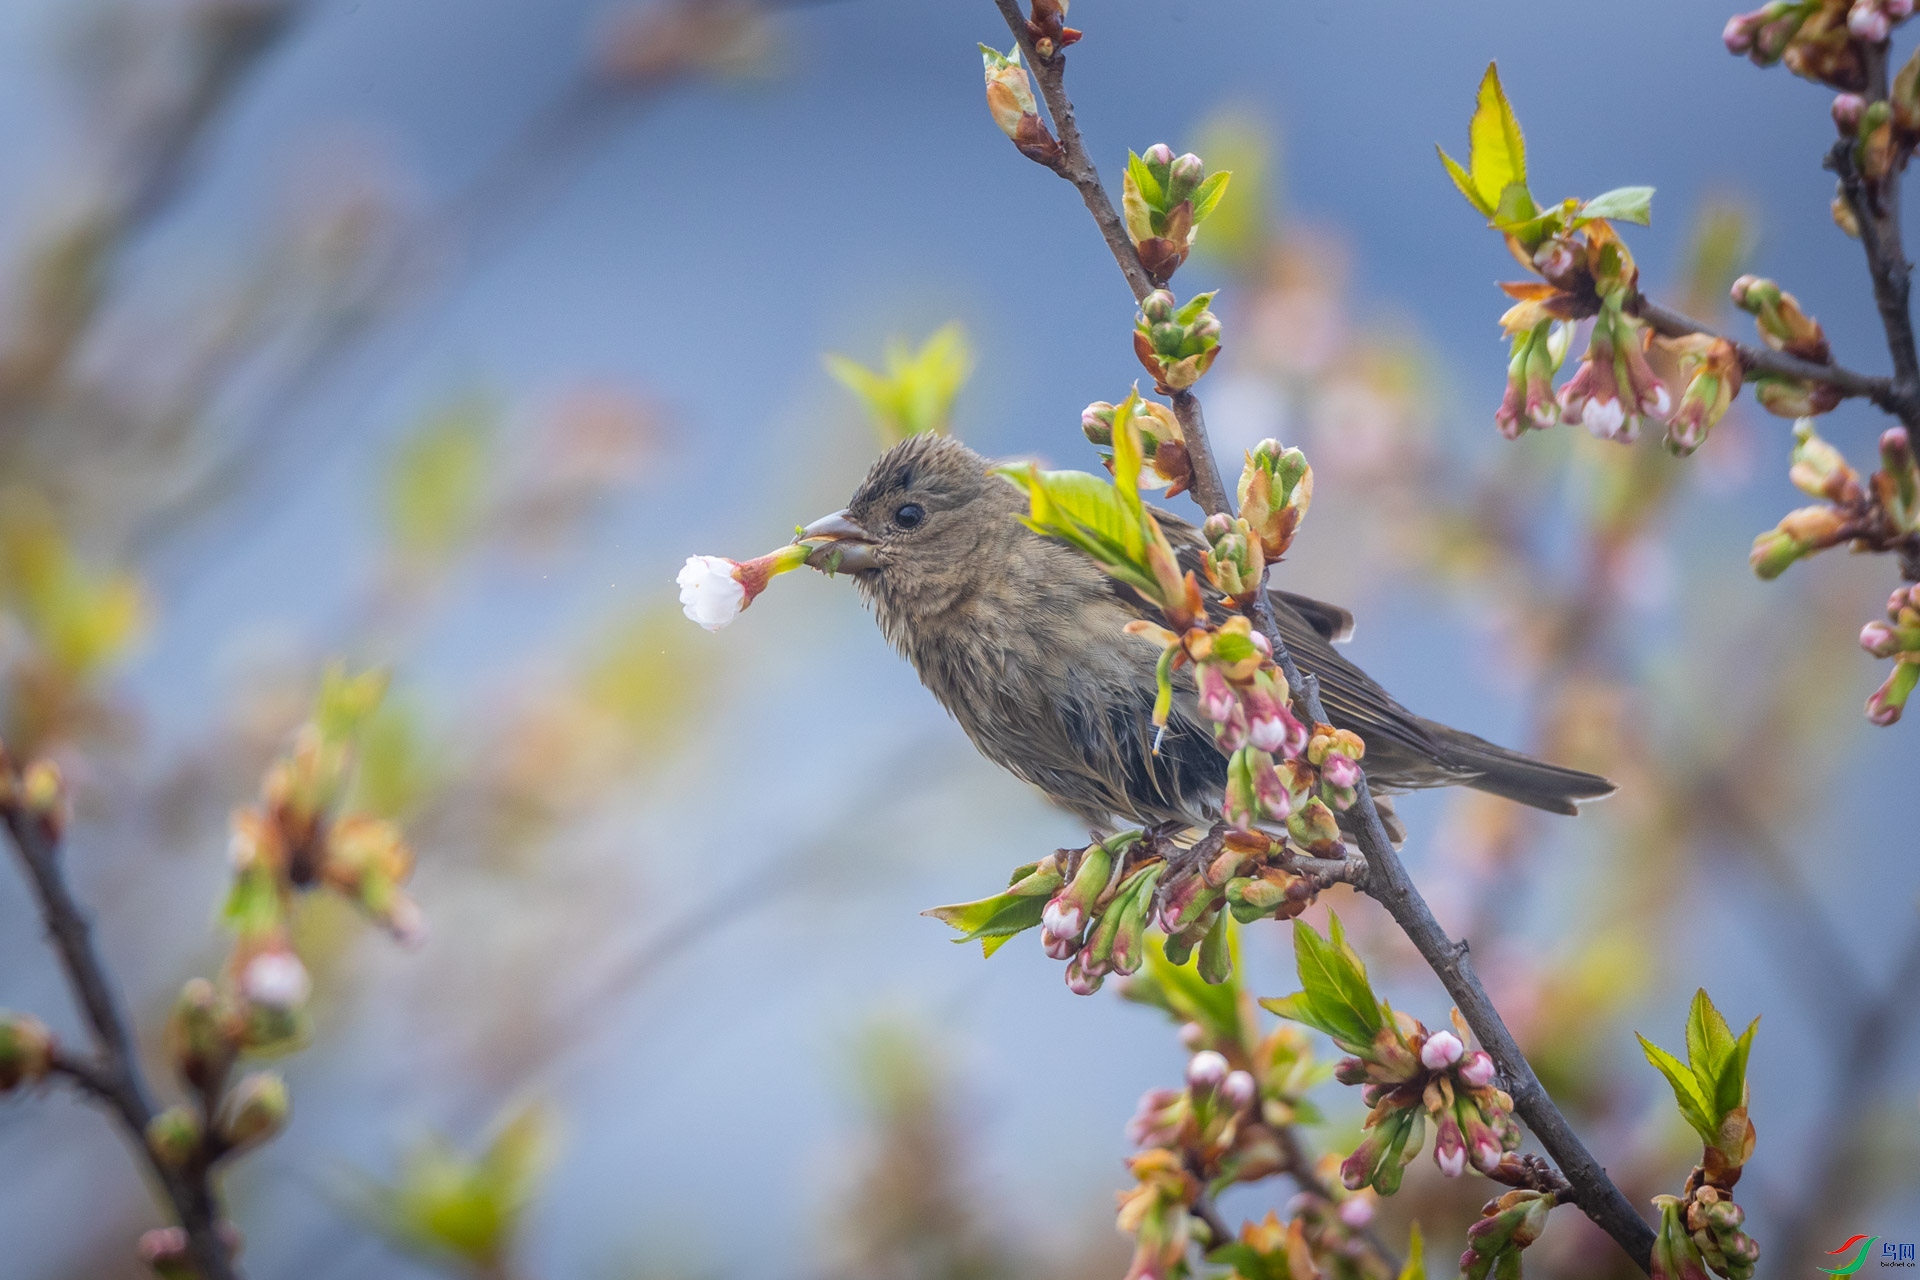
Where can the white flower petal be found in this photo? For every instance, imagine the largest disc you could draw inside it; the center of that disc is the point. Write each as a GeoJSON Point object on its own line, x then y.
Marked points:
{"type": "Point", "coordinates": [709, 593]}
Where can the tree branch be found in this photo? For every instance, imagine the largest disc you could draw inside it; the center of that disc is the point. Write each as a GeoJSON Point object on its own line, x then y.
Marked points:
{"type": "Point", "coordinates": [1876, 207]}
{"type": "Point", "coordinates": [114, 1078]}
{"type": "Point", "coordinates": [1755, 359]}
{"type": "Point", "coordinates": [1388, 883]}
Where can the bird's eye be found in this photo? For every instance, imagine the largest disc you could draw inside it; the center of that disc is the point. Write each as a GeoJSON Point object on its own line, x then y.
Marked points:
{"type": "Point", "coordinates": [909, 515]}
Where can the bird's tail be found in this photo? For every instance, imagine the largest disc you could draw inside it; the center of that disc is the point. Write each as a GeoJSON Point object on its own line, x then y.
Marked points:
{"type": "Point", "coordinates": [1517, 777]}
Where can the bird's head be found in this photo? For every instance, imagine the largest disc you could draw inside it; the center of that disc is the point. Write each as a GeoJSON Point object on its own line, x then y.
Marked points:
{"type": "Point", "coordinates": [923, 526]}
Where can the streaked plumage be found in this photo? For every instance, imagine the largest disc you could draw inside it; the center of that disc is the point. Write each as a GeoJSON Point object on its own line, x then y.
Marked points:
{"type": "Point", "coordinates": [1020, 638]}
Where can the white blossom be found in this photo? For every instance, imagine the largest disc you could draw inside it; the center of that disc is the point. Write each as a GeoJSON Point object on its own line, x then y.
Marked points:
{"type": "Point", "coordinates": [709, 593]}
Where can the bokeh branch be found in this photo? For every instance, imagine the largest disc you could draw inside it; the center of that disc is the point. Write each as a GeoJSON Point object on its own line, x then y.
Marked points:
{"type": "Point", "coordinates": [1388, 882]}
{"type": "Point", "coordinates": [113, 1077]}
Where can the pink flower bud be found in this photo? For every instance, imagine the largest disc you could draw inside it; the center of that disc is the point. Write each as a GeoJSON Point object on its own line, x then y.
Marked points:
{"type": "Point", "coordinates": [1476, 1070]}
{"type": "Point", "coordinates": [1061, 919]}
{"type": "Point", "coordinates": [1218, 701]}
{"type": "Point", "coordinates": [1192, 1035]}
{"type": "Point", "coordinates": [1206, 1069]}
{"type": "Point", "coordinates": [1847, 109]}
{"type": "Point", "coordinates": [1357, 1212]}
{"type": "Point", "coordinates": [1057, 947]}
{"type": "Point", "coordinates": [1271, 727]}
{"type": "Point", "coordinates": [1239, 1090]}
{"type": "Point", "coordinates": [1738, 34]}
{"type": "Point", "coordinates": [1271, 790]}
{"type": "Point", "coordinates": [1879, 639]}
{"type": "Point", "coordinates": [1357, 1169]}
{"type": "Point", "coordinates": [1449, 1149]}
{"type": "Point", "coordinates": [1083, 978]}
{"type": "Point", "coordinates": [1868, 21]}
{"type": "Point", "coordinates": [1442, 1048]}
{"type": "Point", "coordinates": [1342, 772]}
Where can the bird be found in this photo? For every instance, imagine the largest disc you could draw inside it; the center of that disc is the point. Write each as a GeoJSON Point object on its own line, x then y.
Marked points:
{"type": "Point", "coordinates": [1021, 638]}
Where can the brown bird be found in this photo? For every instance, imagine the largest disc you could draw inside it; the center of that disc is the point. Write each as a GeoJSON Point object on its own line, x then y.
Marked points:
{"type": "Point", "coordinates": [1020, 637]}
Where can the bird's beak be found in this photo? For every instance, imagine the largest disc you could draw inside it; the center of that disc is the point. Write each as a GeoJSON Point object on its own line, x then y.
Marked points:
{"type": "Point", "coordinates": [844, 546]}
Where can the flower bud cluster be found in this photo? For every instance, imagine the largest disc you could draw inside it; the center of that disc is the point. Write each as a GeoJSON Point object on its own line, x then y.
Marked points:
{"type": "Point", "coordinates": [1165, 199]}
{"type": "Point", "coordinates": [1176, 343]}
{"type": "Point", "coordinates": [1097, 920]}
{"type": "Point", "coordinates": [1714, 1224]}
{"type": "Point", "coordinates": [295, 839]}
{"type": "Point", "coordinates": [1010, 100]}
{"type": "Point", "coordinates": [1334, 1231]}
{"type": "Point", "coordinates": [1529, 401]}
{"type": "Point", "coordinates": [1710, 368]}
{"type": "Point", "coordinates": [1276, 488]}
{"type": "Point", "coordinates": [1506, 1226]}
{"type": "Point", "coordinates": [1157, 1213]}
{"type": "Point", "coordinates": [1820, 40]}
{"type": "Point", "coordinates": [1234, 560]}
{"type": "Point", "coordinates": [1785, 327]}
{"type": "Point", "coordinates": [1162, 443]}
{"type": "Point", "coordinates": [1897, 638]}
{"type": "Point", "coordinates": [1585, 272]}
{"type": "Point", "coordinates": [1412, 1079]}
{"type": "Point", "coordinates": [1878, 513]}
{"type": "Point", "coordinates": [1615, 389]}
{"type": "Point", "coordinates": [1215, 1121]}
{"type": "Point", "coordinates": [1820, 470]}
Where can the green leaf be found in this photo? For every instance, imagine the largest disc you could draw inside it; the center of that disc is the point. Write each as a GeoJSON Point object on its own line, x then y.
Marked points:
{"type": "Point", "coordinates": [1464, 181]}
{"type": "Point", "coordinates": [999, 917]}
{"type": "Point", "coordinates": [1416, 1264]}
{"type": "Point", "coordinates": [1730, 1090]}
{"type": "Point", "coordinates": [1133, 205]}
{"type": "Point", "coordinates": [1622, 204]}
{"type": "Point", "coordinates": [1247, 1262]}
{"type": "Point", "coordinates": [1499, 152]}
{"type": "Point", "coordinates": [1335, 996]}
{"type": "Point", "coordinates": [1208, 193]}
{"type": "Point", "coordinates": [1709, 1039]}
{"type": "Point", "coordinates": [1694, 1108]}
{"type": "Point", "coordinates": [1088, 513]}
{"type": "Point", "coordinates": [1231, 646]}
{"type": "Point", "coordinates": [1516, 207]}
{"type": "Point", "coordinates": [1195, 305]}
{"type": "Point", "coordinates": [1149, 186]}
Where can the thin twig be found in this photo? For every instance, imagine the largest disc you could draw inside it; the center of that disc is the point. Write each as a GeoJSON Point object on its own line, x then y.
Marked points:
{"type": "Point", "coordinates": [1876, 208]}
{"type": "Point", "coordinates": [1388, 883]}
{"type": "Point", "coordinates": [1757, 359]}
{"type": "Point", "coordinates": [115, 1078]}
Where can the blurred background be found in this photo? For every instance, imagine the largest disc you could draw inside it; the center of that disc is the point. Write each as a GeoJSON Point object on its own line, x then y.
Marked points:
{"type": "Point", "coordinates": [436, 333]}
